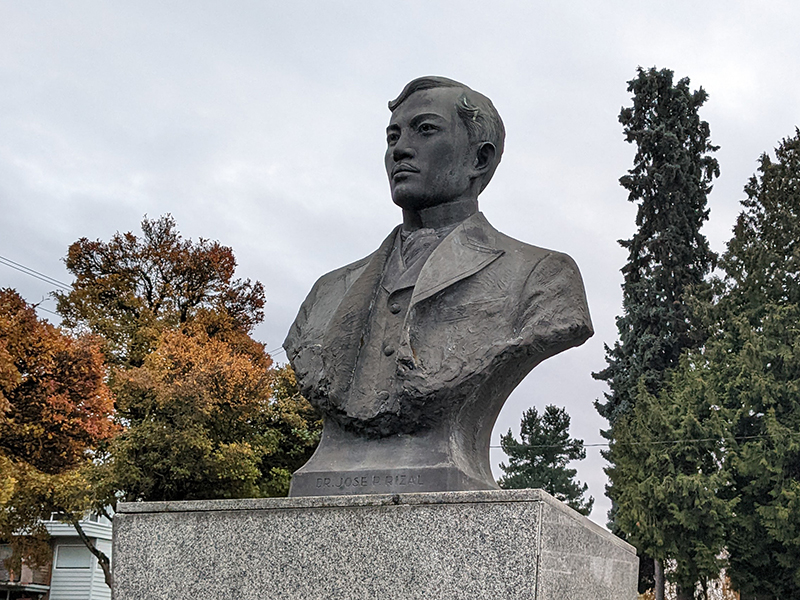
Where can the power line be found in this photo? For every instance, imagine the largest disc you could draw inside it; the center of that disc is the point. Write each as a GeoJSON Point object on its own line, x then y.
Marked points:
{"type": "Point", "coordinates": [657, 443]}
{"type": "Point", "coordinates": [33, 273]}
{"type": "Point", "coordinates": [52, 281]}
{"type": "Point", "coordinates": [39, 307]}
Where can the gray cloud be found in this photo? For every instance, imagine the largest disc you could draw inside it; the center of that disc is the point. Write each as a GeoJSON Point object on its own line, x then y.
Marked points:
{"type": "Point", "coordinates": [262, 125]}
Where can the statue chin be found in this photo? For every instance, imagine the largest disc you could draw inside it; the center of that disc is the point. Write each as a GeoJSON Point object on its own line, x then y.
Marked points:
{"type": "Point", "coordinates": [414, 203]}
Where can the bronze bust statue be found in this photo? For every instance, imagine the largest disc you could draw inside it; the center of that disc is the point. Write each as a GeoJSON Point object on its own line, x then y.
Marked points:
{"type": "Point", "coordinates": [411, 352]}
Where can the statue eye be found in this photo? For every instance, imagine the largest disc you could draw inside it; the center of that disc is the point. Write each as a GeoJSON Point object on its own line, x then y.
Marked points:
{"type": "Point", "coordinates": [427, 128]}
{"type": "Point", "coordinates": [391, 138]}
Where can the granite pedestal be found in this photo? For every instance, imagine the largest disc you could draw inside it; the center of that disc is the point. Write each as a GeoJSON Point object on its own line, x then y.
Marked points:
{"type": "Point", "coordinates": [498, 545]}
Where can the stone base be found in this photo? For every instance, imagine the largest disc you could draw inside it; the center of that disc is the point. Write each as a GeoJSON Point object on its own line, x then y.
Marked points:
{"type": "Point", "coordinates": [498, 545]}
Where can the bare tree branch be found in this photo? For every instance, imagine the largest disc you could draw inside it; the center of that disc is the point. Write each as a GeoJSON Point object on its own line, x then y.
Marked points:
{"type": "Point", "coordinates": [102, 559]}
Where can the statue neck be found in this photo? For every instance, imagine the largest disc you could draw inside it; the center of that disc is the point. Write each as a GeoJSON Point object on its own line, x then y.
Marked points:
{"type": "Point", "coordinates": [438, 217]}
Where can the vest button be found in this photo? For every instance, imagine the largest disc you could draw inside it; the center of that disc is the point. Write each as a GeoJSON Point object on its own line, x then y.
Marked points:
{"type": "Point", "coordinates": [388, 350]}
{"type": "Point", "coordinates": [394, 308]}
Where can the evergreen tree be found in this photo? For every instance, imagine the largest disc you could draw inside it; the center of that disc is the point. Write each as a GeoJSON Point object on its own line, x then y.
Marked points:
{"type": "Point", "coordinates": [668, 257]}
{"type": "Point", "coordinates": [667, 481]}
{"type": "Point", "coordinates": [754, 363]}
{"type": "Point", "coordinates": [539, 459]}
{"type": "Point", "coordinates": [668, 260]}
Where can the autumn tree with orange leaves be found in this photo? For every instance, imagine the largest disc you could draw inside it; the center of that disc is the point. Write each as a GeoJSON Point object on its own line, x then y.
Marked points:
{"type": "Point", "coordinates": [207, 420]}
{"type": "Point", "coordinates": [55, 412]}
{"type": "Point", "coordinates": [201, 411]}
{"type": "Point", "coordinates": [132, 288]}
{"type": "Point", "coordinates": [206, 413]}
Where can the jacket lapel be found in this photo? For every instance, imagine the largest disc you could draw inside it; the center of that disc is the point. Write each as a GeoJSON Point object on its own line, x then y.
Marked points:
{"type": "Point", "coordinates": [469, 248]}
{"type": "Point", "coordinates": [466, 250]}
{"type": "Point", "coordinates": [344, 337]}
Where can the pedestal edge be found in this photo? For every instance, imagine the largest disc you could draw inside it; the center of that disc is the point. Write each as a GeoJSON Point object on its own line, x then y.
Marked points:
{"type": "Point", "coordinates": [370, 500]}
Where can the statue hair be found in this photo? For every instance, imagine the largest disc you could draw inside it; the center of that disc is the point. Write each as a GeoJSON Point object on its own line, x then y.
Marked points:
{"type": "Point", "coordinates": [481, 118]}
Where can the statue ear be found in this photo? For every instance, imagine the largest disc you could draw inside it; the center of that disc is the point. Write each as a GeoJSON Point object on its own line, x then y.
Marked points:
{"type": "Point", "coordinates": [485, 156]}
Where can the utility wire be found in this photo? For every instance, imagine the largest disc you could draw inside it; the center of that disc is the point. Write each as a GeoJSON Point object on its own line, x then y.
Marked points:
{"type": "Point", "coordinates": [658, 443]}
{"type": "Point", "coordinates": [40, 307]}
{"type": "Point", "coordinates": [33, 273]}
{"type": "Point", "coordinates": [47, 279]}
{"type": "Point", "coordinates": [52, 281]}
{"type": "Point", "coordinates": [41, 276]}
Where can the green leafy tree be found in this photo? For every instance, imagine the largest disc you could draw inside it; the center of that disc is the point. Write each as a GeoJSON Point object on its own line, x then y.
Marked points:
{"type": "Point", "coordinates": [754, 363]}
{"type": "Point", "coordinates": [540, 458]}
{"type": "Point", "coordinates": [668, 256]}
{"type": "Point", "coordinates": [204, 421]}
{"type": "Point", "coordinates": [297, 429]}
{"type": "Point", "coordinates": [204, 413]}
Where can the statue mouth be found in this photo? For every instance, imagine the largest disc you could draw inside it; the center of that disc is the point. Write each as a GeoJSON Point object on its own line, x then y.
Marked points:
{"type": "Point", "coordinates": [400, 168]}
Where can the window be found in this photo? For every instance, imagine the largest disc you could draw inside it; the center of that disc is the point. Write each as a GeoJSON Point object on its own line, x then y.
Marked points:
{"type": "Point", "coordinates": [73, 557]}
{"type": "Point", "coordinates": [5, 552]}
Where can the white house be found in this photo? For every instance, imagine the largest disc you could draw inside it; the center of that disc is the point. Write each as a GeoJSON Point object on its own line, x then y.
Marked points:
{"type": "Point", "coordinates": [73, 572]}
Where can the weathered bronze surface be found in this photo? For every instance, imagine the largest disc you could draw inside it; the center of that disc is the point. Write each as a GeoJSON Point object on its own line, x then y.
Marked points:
{"type": "Point", "coordinates": [411, 352]}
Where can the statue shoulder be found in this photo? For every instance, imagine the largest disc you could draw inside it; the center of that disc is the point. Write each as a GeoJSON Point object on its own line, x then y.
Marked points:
{"type": "Point", "coordinates": [317, 309]}
{"type": "Point", "coordinates": [551, 299]}
{"type": "Point", "coordinates": [554, 298]}
{"type": "Point", "coordinates": [339, 279]}
{"type": "Point", "coordinates": [530, 257]}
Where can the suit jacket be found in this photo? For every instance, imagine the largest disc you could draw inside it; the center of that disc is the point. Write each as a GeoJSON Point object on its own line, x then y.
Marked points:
{"type": "Point", "coordinates": [484, 311]}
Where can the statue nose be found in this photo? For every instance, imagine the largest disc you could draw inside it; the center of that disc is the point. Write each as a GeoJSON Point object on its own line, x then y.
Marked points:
{"type": "Point", "coordinates": [401, 151]}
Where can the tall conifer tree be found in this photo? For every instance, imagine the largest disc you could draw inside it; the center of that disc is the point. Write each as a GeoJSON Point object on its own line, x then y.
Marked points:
{"type": "Point", "coordinates": [754, 366]}
{"type": "Point", "coordinates": [668, 256]}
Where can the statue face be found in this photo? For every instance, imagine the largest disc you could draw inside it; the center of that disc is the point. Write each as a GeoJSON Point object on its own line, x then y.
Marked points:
{"type": "Point", "coordinates": [429, 158]}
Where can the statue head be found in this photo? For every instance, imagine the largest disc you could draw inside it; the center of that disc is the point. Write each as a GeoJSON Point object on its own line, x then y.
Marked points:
{"type": "Point", "coordinates": [445, 141]}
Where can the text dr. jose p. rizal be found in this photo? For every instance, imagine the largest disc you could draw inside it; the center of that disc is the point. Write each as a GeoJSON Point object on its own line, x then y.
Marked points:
{"type": "Point", "coordinates": [411, 352]}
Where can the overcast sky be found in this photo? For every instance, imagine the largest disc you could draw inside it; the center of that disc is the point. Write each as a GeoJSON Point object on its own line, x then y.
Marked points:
{"type": "Point", "coordinates": [262, 125]}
